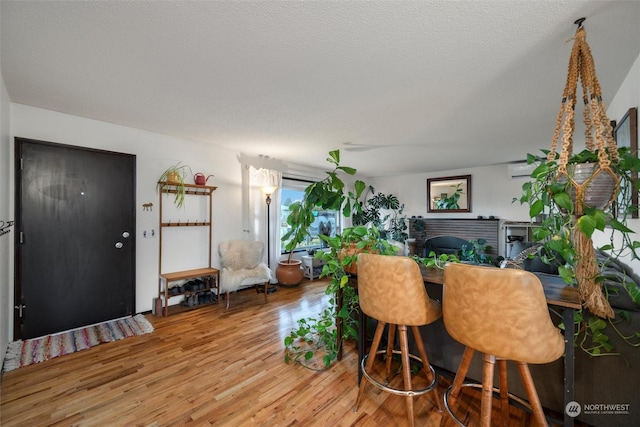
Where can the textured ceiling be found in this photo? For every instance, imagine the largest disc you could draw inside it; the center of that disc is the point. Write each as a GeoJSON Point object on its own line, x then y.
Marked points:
{"type": "Point", "coordinates": [401, 87]}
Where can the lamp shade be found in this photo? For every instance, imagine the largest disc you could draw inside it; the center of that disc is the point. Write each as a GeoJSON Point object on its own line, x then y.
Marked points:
{"type": "Point", "coordinates": [268, 189]}
{"type": "Point", "coordinates": [268, 180]}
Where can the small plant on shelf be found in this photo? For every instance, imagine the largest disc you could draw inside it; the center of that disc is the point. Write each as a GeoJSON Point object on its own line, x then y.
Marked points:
{"type": "Point", "coordinates": [174, 175]}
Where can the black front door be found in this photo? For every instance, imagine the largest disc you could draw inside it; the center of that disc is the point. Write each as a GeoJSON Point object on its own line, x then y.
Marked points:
{"type": "Point", "coordinates": [75, 246]}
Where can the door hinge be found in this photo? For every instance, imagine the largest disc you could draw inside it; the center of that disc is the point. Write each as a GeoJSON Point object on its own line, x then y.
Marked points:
{"type": "Point", "coordinates": [20, 308]}
{"type": "Point", "coordinates": [21, 163]}
{"type": "Point", "coordinates": [21, 237]}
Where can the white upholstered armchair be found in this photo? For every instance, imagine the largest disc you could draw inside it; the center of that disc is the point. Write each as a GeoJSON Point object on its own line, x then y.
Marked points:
{"type": "Point", "coordinates": [242, 266]}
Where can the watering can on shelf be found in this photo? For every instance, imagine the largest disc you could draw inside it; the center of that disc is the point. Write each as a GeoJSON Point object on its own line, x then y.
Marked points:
{"type": "Point", "coordinates": [200, 179]}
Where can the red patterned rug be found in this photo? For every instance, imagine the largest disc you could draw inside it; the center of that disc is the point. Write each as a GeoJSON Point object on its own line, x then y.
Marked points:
{"type": "Point", "coordinates": [36, 350]}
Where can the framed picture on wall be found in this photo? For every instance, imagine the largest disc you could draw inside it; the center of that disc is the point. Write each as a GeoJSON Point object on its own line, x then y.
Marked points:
{"type": "Point", "coordinates": [626, 135]}
{"type": "Point", "coordinates": [449, 194]}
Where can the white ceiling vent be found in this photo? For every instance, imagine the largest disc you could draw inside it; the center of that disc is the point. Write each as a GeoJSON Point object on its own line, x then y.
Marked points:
{"type": "Point", "coordinates": [520, 170]}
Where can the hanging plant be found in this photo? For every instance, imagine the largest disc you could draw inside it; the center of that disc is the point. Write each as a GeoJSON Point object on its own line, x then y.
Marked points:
{"type": "Point", "coordinates": [577, 194]}
{"type": "Point", "coordinates": [580, 189]}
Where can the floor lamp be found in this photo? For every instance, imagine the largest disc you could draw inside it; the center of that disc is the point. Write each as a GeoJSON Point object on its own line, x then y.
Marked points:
{"type": "Point", "coordinates": [268, 191]}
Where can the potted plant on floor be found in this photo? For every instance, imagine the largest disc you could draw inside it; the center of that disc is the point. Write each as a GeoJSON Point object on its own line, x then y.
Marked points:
{"type": "Point", "coordinates": [331, 193]}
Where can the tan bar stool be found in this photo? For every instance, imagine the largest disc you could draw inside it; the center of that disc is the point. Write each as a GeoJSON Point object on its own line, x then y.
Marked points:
{"type": "Point", "coordinates": [502, 313]}
{"type": "Point", "coordinates": [391, 290]}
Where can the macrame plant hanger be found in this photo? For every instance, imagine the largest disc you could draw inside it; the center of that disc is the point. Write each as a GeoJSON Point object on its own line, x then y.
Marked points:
{"type": "Point", "coordinates": [600, 178]}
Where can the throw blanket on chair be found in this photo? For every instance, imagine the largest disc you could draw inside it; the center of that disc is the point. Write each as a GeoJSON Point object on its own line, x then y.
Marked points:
{"type": "Point", "coordinates": [241, 265]}
{"type": "Point", "coordinates": [231, 280]}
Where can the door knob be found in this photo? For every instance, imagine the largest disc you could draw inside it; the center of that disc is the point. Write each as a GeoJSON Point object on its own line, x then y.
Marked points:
{"type": "Point", "coordinates": [119, 245]}
{"type": "Point", "coordinates": [125, 234]}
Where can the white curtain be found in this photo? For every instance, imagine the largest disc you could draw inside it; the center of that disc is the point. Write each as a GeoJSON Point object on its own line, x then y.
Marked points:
{"type": "Point", "coordinates": [259, 211]}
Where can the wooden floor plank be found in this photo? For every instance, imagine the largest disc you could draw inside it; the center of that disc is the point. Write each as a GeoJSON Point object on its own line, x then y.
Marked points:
{"type": "Point", "coordinates": [212, 367]}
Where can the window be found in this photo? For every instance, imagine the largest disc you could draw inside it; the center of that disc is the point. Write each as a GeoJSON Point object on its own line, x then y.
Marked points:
{"type": "Point", "coordinates": [326, 222]}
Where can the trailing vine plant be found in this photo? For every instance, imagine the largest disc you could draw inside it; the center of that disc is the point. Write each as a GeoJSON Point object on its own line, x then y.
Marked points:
{"type": "Point", "coordinates": [554, 199]}
{"type": "Point", "coordinates": [317, 337]}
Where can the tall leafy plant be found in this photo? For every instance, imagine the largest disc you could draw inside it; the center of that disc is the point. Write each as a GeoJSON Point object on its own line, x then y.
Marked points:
{"type": "Point", "coordinates": [331, 193]}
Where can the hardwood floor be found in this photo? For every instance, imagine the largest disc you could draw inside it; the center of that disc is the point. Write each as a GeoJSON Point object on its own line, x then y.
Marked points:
{"type": "Point", "coordinates": [212, 367]}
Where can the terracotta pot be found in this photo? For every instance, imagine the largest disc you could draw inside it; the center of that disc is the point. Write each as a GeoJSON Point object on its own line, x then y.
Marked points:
{"type": "Point", "coordinates": [351, 250]}
{"type": "Point", "coordinates": [289, 273]}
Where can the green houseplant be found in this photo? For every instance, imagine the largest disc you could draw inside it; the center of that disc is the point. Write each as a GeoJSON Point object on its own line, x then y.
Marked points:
{"type": "Point", "coordinates": [392, 224]}
{"type": "Point", "coordinates": [577, 194]}
{"type": "Point", "coordinates": [319, 336]}
{"type": "Point", "coordinates": [174, 175]}
{"type": "Point", "coordinates": [435, 261]}
{"type": "Point", "coordinates": [556, 233]}
{"type": "Point", "coordinates": [331, 193]}
{"type": "Point", "coordinates": [476, 252]}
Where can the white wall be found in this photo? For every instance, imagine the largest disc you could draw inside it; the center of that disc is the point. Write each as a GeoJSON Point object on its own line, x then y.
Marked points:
{"type": "Point", "coordinates": [5, 214]}
{"type": "Point", "coordinates": [154, 153]}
